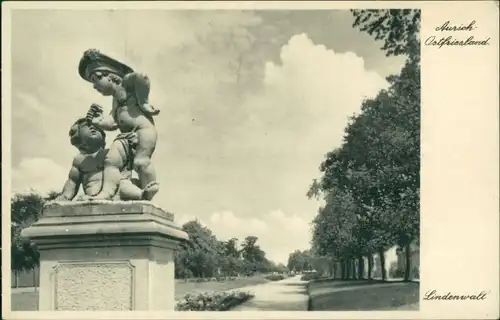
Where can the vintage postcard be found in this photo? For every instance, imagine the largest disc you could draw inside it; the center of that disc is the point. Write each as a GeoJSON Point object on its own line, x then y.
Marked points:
{"type": "Point", "coordinates": [253, 160]}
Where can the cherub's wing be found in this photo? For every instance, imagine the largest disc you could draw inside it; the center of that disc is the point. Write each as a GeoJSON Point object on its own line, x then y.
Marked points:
{"type": "Point", "coordinates": [138, 85]}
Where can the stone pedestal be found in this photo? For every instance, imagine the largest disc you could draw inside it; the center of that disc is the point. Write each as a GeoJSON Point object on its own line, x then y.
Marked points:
{"type": "Point", "coordinates": [106, 256]}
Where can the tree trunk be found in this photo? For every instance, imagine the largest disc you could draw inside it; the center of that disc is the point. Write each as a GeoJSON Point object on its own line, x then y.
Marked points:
{"type": "Point", "coordinates": [382, 263]}
{"type": "Point", "coordinates": [370, 266]}
{"type": "Point", "coordinates": [361, 267]}
{"type": "Point", "coordinates": [34, 278]}
{"type": "Point", "coordinates": [353, 269]}
{"type": "Point", "coordinates": [407, 262]}
{"type": "Point", "coordinates": [346, 268]}
{"type": "Point", "coordinates": [353, 262]}
{"type": "Point", "coordinates": [348, 271]}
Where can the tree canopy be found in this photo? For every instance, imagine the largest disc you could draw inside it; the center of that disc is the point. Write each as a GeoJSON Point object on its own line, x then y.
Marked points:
{"type": "Point", "coordinates": [371, 183]}
{"type": "Point", "coordinates": [26, 209]}
{"type": "Point", "coordinates": [206, 256]}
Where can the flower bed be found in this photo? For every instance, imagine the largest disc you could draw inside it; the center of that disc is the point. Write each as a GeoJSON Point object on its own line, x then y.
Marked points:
{"type": "Point", "coordinates": [212, 301]}
{"type": "Point", "coordinates": [214, 279]}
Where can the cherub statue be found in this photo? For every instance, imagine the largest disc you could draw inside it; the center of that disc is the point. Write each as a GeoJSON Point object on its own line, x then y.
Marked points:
{"type": "Point", "coordinates": [131, 113]}
{"type": "Point", "coordinates": [87, 168]}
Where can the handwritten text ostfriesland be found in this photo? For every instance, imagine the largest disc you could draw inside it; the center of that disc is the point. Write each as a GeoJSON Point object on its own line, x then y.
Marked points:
{"type": "Point", "coordinates": [447, 26]}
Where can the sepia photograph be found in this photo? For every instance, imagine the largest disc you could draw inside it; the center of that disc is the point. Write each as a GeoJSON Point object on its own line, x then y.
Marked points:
{"type": "Point", "coordinates": [215, 160]}
{"type": "Point", "coordinates": [244, 160]}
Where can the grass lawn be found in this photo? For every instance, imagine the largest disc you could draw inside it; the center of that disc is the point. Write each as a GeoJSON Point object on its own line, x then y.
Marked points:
{"type": "Point", "coordinates": [28, 301]}
{"type": "Point", "coordinates": [182, 288]}
{"type": "Point", "coordinates": [24, 301]}
{"type": "Point", "coordinates": [363, 295]}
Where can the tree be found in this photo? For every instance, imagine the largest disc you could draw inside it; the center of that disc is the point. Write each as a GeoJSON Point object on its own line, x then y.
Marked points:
{"type": "Point", "coordinates": [300, 260]}
{"type": "Point", "coordinates": [250, 251]}
{"type": "Point", "coordinates": [231, 248]}
{"type": "Point", "coordinates": [26, 209]}
{"type": "Point", "coordinates": [281, 268]}
{"type": "Point", "coordinates": [397, 28]}
{"type": "Point", "coordinates": [295, 261]}
{"type": "Point", "coordinates": [201, 255]}
{"type": "Point", "coordinates": [254, 257]}
{"type": "Point", "coordinates": [205, 256]}
{"type": "Point", "coordinates": [334, 232]}
{"type": "Point", "coordinates": [376, 169]}
{"type": "Point", "coordinates": [232, 263]}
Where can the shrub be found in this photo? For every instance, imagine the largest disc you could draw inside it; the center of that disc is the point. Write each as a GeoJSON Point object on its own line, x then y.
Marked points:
{"type": "Point", "coordinates": [415, 272]}
{"type": "Point", "coordinates": [309, 276]}
{"type": "Point", "coordinates": [275, 277]}
{"type": "Point", "coordinates": [395, 272]}
{"type": "Point", "coordinates": [212, 301]}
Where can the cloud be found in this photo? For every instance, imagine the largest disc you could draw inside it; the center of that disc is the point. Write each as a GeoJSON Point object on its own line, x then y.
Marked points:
{"type": "Point", "coordinates": [278, 233]}
{"type": "Point", "coordinates": [299, 115]}
{"type": "Point", "coordinates": [314, 90]}
{"type": "Point", "coordinates": [40, 174]}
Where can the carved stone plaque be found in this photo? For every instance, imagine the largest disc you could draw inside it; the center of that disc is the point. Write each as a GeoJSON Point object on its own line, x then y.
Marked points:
{"type": "Point", "coordinates": [94, 286]}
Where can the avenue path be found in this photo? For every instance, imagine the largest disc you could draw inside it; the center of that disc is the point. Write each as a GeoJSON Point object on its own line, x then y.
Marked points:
{"type": "Point", "coordinates": [286, 295]}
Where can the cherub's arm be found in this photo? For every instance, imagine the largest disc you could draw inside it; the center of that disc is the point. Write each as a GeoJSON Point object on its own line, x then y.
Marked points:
{"type": "Point", "coordinates": [106, 123]}
{"type": "Point", "coordinates": [97, 118]}
{"type": "Point", "coordinates": [72, 185]}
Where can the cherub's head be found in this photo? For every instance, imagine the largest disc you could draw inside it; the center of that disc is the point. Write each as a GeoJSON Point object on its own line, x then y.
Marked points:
{"type": "Point", "coordinates": [104, 72]}
{"type": "Point", "coordinates": [86, 137]}
{"type": "Point", "coordinates": [105, 82]}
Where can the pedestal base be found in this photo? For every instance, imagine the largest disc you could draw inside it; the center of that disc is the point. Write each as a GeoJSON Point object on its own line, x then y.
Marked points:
{"type": "Point", "coordinates": [106, 256]}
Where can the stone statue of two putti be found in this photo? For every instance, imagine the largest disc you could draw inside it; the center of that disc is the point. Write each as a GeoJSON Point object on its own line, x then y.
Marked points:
{"type": "Point", "coordinates": [106, 173]}
{"type": "Point", "coordinates": [112, 249]}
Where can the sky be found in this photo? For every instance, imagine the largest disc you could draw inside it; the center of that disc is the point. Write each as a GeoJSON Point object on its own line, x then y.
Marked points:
{"type": "Point", "coordinates": [250, 102]}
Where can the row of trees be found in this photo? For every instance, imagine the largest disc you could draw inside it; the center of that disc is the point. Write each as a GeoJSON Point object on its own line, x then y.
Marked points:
{"type": "Point", "coordinates": [300, 261]}
{"type": "Point", "coordinates": [371, 183]}
{"type": "Point", "coordinates": [203, 256]}
{"type": "Point", "coordinates": [206, 256]}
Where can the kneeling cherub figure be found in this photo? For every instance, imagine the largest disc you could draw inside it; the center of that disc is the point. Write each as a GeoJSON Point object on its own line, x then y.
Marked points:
{"type": "Point", "coordinates": [87, 169]}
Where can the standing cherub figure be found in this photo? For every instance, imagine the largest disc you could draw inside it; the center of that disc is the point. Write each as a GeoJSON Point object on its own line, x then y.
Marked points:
{"type": "Point", "coordinates": [130, 113]}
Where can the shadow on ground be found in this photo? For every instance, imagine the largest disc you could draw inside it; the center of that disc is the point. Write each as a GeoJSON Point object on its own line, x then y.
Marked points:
{"type": "Point", "coordinates": [303, 291]}
{"type": "Point", "coordinates": [272, 306]}
{"type": "Point", "coordinates": [363, 295]}
{"type": "Point", "coordinates": [295, 284]}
